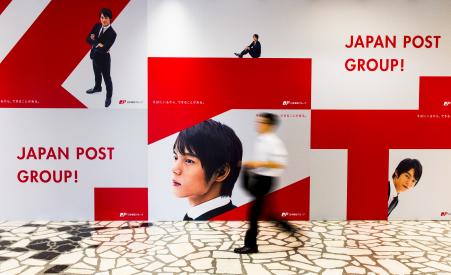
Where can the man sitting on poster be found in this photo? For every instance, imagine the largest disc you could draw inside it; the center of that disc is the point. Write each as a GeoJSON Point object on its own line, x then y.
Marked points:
{"type": "Point", "coordinates": [207, 159]}
{"type": "Point", "coordinates": [405, 177]}
{"type": "Point", "coordinates": [254, 49]}
{"type": "Point", "coordinates": [101, 38]}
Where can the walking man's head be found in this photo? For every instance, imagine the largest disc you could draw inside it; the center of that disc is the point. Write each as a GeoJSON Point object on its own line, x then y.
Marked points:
{"type": "Point", "coordinates": [267, 122]}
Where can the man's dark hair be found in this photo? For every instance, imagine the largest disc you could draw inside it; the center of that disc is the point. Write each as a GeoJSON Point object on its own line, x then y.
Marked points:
{"type": "Point", "coordinates": [273, 119]}
{"type": "Point", "coordinates": [216, 146]}
{"type": "Point", "coordinates": [256, 35]}
{"type": "Point", "coordinates": [106, 12]}
{"type": "Point", "coordinates": [405, 165]}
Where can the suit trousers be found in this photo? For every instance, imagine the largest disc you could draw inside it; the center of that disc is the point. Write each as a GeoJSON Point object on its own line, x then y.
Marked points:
{"type": "Point", "coordinates": [102, 67]}
{"type": "Point", "coordinates": [263, 186]}
{"type": "Point", "coordinates": [250, 52]}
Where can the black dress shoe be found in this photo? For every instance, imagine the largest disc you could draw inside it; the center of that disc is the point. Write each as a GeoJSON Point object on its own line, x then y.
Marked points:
{"type": "Point", "coordinates": [237, 54]}
{"type": "Point", "coordinates": [107, 102]}
{"type": "Point", "coordinates": [93, 90]}
{"type": "Point", "coordinates": [246, 250]}
{"type": "Point", "coordinates": [287, 226]}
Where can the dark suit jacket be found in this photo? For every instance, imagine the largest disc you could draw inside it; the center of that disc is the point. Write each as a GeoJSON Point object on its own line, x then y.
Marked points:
{"type": "Point", "coordinates": [388, 190]}
{"type": "Point", "coordinates": [213, 213]}
{"type": "Point", "coordinates": [390, 209]}
{"type": "Point", "coordinates": [255, 49]}
{"type": "Point", "coordinates": [107, 39]}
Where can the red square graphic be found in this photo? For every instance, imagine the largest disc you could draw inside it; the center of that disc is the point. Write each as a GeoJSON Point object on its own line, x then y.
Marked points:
{"type": "Point", "coordinates": [120, 204]}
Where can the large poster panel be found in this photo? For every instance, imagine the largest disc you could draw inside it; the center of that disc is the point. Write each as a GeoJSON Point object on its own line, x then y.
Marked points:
{"type": "Point", "coordinates": [416, 179]}
{"type": "Point", "coordinates": [207, 88]}
{"type": "Point", "coordinates": [168, 202]}
{"type": "Point", "coordinates": [50, 61]}
{"type": "Point", "coordinates": [67, 153]}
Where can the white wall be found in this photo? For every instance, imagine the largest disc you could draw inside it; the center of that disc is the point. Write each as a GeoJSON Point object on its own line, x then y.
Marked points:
{"type": "Point", "coordinates": [123, 129]}
{"type": "Point", "coordinates": [328, 184]}
{"type": "Point", "coordinates": [312, 29]}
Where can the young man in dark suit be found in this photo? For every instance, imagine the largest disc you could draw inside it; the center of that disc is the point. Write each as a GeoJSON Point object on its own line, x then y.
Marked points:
{"type": "Point", "coordinates": [101, 38]}
{"type": "Point", "coordinates": [254, 49]}
{"type": "Point", "coordinates": [406, 176]}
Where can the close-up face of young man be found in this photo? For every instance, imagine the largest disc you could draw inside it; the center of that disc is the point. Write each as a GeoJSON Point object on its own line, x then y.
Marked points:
{"type": "Point", "coordinates": [405, 181]}
{"type": "Point", "coordinates": [207, 160]}
{"type": "Point", "coordinates": [188, 176]}
{"type": "Point", "coordinates": [407, 174]}
{"type": "Point", "coordinates": [105, 20]}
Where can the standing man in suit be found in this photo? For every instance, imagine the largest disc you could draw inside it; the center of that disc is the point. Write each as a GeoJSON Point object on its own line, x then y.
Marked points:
{"type": "Point", "coordinates": [254, 49]}
{"type": "Point", "coordinates": [270, 159]}
{"type": "Point", "coordinates": [405, 177]}
{"type": "Point", "coordinates": [101, 38]}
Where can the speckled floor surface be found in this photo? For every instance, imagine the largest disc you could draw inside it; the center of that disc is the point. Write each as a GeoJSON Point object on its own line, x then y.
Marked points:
{"type": "Point", "coordinates": [353, 247]}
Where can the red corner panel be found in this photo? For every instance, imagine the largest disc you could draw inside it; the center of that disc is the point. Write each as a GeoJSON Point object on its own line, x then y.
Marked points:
{"type": "Point", "coordinates": [120, 204]}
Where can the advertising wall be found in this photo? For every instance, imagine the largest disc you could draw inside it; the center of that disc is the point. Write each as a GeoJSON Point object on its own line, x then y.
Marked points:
{"type": "Point", "coordinates": [379, 82]}
{"type": "Point", "coordinates": [206, 88]}
{"type": "Point", "coordinates": [362, 90]}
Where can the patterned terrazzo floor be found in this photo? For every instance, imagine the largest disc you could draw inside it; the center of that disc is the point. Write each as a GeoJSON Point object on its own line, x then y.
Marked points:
{"type": "Point", "coordinates": [355, 247]}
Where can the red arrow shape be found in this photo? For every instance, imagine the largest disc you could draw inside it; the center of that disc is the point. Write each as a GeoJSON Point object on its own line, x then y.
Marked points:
{"type": "Point", "coordinates": [289, 203]}
{"type": "Point", "coordinates": [3, 5]}
{"type": "Point", "coordinates": [31, 75]}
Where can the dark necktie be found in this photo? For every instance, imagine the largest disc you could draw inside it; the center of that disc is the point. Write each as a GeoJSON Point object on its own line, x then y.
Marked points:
{"type": "Point", "coordinates": [101, 32]}
{"type": "Point", "coordinates": [392, 205]}
{"type": "Point", "coordinates": [186, 218]}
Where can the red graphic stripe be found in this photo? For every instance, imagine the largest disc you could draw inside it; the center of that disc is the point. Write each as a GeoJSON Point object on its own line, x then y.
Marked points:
{"type": "Point", "coordinates": [33, 72]}
{"type": "Point", "coordinates": [3, 5]}
{"type": "Point", "coordinates": [221, 84]}
{"type": "Point", "coordinates": [289, 203]}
